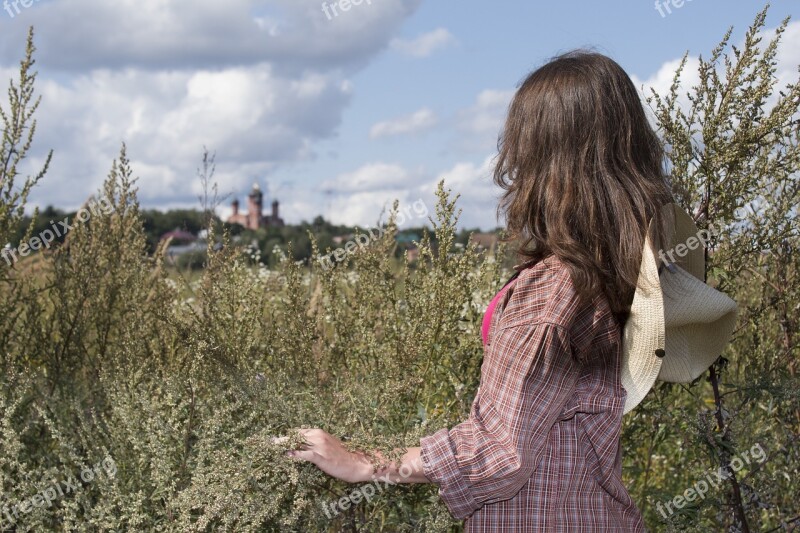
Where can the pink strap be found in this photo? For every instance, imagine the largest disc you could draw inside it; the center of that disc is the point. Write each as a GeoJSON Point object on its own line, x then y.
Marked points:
{"type": "Point", "coordinates": [487, 316]}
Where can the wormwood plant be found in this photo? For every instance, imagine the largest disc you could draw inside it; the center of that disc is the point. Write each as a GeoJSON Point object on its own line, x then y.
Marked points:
{"type": "Point", "coordinates": [186, 393]}
{"type": "Point", "coordinates": [371, 350]}
{"type": "Point", "coordinates": [184, 385]}
{"type": "Point", "coordinates": [734, 163]}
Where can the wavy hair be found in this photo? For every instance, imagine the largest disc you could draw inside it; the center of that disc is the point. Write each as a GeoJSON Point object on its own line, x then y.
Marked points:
{"type": "Point", "coordinates": [583, 173]}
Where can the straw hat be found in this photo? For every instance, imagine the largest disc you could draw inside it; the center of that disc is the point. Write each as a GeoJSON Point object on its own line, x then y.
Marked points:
{"type": "Point", "coordinates": [678, 324]}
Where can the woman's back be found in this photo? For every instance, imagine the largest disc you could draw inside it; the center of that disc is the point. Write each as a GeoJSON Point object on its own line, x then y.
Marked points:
{"type": "Point", "coordinates": [540, 450]}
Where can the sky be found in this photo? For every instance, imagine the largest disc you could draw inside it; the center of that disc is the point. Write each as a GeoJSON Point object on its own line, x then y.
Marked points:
{"type": "Point", "coordinates": [333, 108]}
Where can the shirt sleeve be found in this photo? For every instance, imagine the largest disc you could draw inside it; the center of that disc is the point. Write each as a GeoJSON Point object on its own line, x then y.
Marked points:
{"type": "Point", "coordinates": [527, 377]}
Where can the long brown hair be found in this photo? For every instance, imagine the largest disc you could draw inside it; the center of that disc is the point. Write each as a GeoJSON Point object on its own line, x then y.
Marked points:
{"type": "Point", "coordinates": [583, 173]}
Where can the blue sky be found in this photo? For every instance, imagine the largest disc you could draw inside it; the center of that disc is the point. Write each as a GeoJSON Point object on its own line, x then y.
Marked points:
{"type": "Point", "coordinates": [333, 116]}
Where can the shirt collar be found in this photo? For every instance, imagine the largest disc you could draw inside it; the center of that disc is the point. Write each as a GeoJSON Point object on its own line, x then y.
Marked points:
{"type": "Point", "coordinates": [530, 262]}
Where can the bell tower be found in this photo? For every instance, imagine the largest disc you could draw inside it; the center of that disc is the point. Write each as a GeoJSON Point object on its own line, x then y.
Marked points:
{"type": "Point", "coordinates": [255, 206]}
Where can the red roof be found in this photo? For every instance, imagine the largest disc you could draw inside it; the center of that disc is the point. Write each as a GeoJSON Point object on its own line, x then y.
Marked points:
{"type": "Point", "coordinates": [179, 235]}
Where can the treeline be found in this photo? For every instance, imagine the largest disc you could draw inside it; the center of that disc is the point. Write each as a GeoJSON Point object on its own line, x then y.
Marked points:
{"type": "Point", "coordinates": [271, 243]}
{"type": "Point", "coordinates": [155, 223]}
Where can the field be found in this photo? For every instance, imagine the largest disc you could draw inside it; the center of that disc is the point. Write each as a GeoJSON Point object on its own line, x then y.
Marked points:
{"type": "Point", "coordinates": [133, 398]}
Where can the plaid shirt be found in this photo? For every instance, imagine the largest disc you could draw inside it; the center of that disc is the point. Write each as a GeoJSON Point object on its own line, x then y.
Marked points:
{"type": "Point", "coordinates": [540, 449]}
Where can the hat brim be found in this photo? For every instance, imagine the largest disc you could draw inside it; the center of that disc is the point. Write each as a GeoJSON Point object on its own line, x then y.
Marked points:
{"type": "Point", "coordinates": [643, 334]}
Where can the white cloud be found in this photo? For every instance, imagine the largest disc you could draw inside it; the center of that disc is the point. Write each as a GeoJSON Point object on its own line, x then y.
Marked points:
{"type": "Point", "coordinates": [416, 122]}
{"type": "Point", "coordinates": [359, 197]}
{"type": "Point", "coordinates": [473, 178]}
{"type": "Point", "coordinates": [371, 177]}
{"type": "Point", "coordinates": [478, 195]}
{"type": "Point", "coordinates": [661, 82]}
{"type": "Point", "coordinates": [425, 44]}
{"type": "Point", "coordinates": [482, 122]}
{"type": "Point", "coordinates": [255, 119]}
{"type": "Point", "coordinates": [291, 34]}
{"type": "Point", "coordinates": [258, 81]}
{"type": "Point", "coordinates": [367, 209]}
{"type": "Point", "coordinates": [363, 196]}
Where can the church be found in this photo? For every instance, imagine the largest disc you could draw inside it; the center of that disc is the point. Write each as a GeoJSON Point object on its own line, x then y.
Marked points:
{"type": "Point", "coordinates": [254, 218]}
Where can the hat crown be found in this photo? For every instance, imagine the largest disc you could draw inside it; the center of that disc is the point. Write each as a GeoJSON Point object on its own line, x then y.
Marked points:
{"type": "Point", "coordinates": [698, 322]}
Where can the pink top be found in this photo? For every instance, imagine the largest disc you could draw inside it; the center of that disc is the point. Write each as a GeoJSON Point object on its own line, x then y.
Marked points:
{"type": "Point", "coordinates": [487, 316]}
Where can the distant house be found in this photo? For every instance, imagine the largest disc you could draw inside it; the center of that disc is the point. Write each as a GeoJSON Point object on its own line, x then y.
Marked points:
{"type": "Point", "coordinates": [407, 238]}
{"type": "Point", "coordinates": [254, 218]}
{"type": "Point", "coordinates": [407, 242]}
{"type": "Point", "coordinates": [182, 242]}
{"type": "Point", "coordinates": [179, 236]}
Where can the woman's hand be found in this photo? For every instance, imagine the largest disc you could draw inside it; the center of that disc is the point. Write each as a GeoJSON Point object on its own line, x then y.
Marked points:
{"type": "Point", "coordinates": [330, 456]}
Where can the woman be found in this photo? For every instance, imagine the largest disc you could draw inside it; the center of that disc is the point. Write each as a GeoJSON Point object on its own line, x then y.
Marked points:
{"type": "Point", "coordinates": [583, 174]}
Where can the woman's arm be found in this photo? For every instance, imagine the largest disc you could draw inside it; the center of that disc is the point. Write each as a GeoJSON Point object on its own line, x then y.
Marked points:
{"type": "Point", "coordinates": [331, 456]}
{"type": "Point", "coordinates": [527, 378]}
{"type": "Point", "coordinates": [409, 470]}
